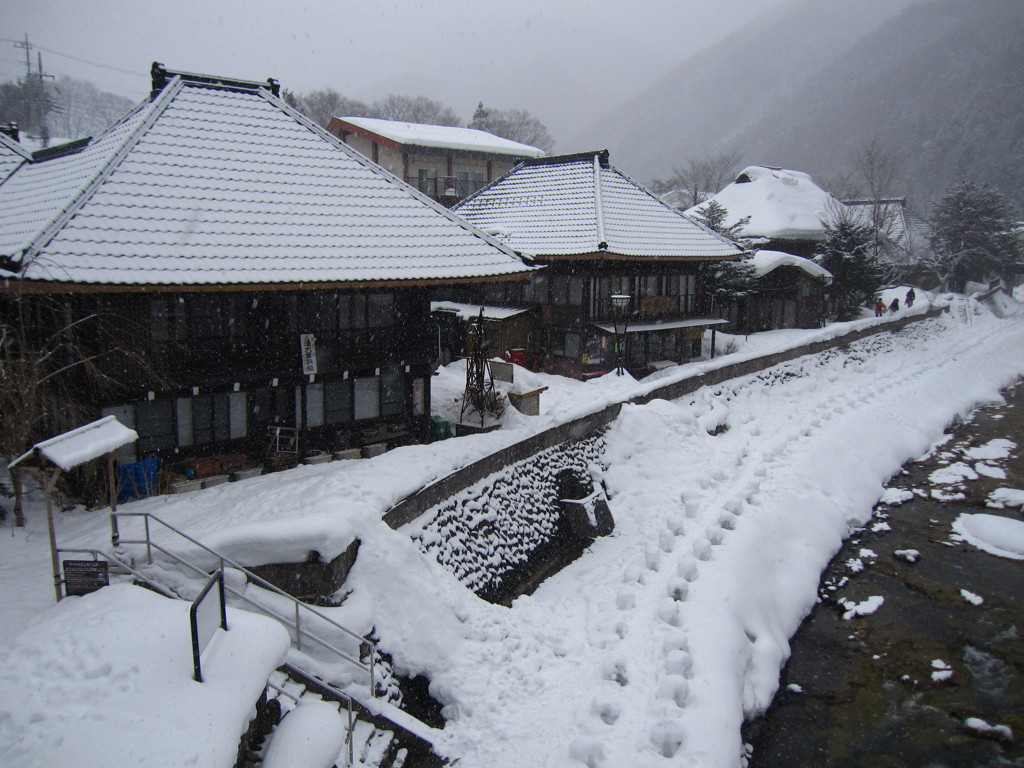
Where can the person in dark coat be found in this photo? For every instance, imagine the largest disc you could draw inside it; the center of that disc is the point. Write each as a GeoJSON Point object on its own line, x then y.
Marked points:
{"type": "Point", "coordinates": [910, 298]}
{"type": "Point", "coordinates": [895, 306]}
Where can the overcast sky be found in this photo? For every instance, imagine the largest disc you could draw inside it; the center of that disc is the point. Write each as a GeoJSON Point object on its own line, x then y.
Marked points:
{"type": "Point", "coordinates": [566, 61]}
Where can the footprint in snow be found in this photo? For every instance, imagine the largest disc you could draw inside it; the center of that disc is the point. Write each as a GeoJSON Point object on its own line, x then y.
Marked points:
{"type": "Point", "coordinates": [666, 540]}
{"type": "Point", "coordinates": [668, 612]}
{"type": "Point", "coordinates": [714, 534]}
{"type": "Point", "coordinates": [667, 737]}
{"type": "Point", "coordinates": [678, 588]}
{"type": "Point", "coordinates": [679, 662]}
{"type": "Point", "coordinates": [688, 569]}
{"type": "Point", "coordinates": [676, 688]}
{"type": "Point", "coordinates": [606, 708]}
{"type": "Point", "coordinates": [702, 549]}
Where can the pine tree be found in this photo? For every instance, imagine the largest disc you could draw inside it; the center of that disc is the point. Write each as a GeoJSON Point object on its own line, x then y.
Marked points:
{"type": "Point", "coordinates": [856, 275]}
{"type": "Point", "coordinates": [725, 281]}
{"type": "Point", "coordinates": [972, 236]}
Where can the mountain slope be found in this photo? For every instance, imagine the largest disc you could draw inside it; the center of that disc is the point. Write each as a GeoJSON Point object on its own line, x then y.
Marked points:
{"type": "Point", "coordinates": [730, 86]}
{"type": "Point", "coordinates": [939, 84]}
{"type": "Point", "coordinates": [941, 87]}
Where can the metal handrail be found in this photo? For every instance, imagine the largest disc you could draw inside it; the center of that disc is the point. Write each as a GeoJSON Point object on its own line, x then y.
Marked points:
{"type": "Point", "coordinates": [343, 698]}
{"type": "Point", "coordinates": [299, 606]}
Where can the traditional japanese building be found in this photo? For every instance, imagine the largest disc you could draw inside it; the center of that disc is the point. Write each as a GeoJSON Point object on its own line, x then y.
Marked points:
{"type": "Point", "coordinates": [448, 163]}
{"type": "Point", "coordinates": [599, 233]}
{"type": "Point", "coordinates": [271, 276]}
{"type": "Point", "coordinates": [786, 210]}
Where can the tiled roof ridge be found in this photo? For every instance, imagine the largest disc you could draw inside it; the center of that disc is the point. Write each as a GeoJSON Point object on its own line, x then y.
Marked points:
{"type": "Point", "coordinates": [600, 154]}
{"type": "Point", "coordinates": [161, 76]}
{"type": "Point", "coordinates": [602, 243]}
{"type": "Point", "coordinates": [676, 211]}
{"type": "Point", "coordinates": [14, 146]}
{"type": "Point", "coordinates": [386, 174]}
{"type": "Point", "coordinates": [85, 193]}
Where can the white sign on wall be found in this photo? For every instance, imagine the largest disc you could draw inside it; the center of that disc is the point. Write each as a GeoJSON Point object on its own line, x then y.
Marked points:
{"type": "Point", "coordinates": [308, 343]}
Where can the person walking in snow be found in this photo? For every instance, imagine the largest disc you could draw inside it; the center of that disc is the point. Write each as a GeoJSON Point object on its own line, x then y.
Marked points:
{"type": "Point", "coordinates": [879, 307]}
{"type": "Point", "coordinates": [895, 306]}
{"type": "Point", "coordinates": [910, 298]}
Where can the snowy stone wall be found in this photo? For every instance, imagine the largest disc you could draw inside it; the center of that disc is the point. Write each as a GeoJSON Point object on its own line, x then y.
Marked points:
{"type": "Point", "coordinates": [492, 527]}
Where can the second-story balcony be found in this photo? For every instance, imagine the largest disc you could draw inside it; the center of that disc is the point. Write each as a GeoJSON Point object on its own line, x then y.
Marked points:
{"type": "Point", "coordinates": [445, 189]}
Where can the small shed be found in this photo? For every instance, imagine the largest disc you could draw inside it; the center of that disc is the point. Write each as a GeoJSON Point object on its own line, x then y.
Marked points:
{"type": "Point", "coordinates": [48, 459]}
{"type": "Point", "coordinates": [505, 328]}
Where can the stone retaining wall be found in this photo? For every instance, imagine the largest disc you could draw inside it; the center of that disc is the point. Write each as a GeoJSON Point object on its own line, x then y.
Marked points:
{"type": "Point", "coordinates": [438, 492]}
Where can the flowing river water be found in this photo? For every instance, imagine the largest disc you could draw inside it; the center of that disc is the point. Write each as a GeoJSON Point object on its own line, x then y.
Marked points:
{"type": "Point", "coordinates": [928, 670]}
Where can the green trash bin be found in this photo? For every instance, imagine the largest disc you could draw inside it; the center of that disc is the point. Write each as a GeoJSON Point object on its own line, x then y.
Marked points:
{"type": "Point", "coordinates": [439, 429]}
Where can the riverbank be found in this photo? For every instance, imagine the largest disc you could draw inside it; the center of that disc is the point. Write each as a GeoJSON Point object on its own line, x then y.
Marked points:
{"type": "Point", "coordinates": [914, 654]}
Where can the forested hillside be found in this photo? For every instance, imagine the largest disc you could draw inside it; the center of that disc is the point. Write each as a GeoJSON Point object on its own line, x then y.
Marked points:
{"type": "Point", "coordinates": [938, 84]}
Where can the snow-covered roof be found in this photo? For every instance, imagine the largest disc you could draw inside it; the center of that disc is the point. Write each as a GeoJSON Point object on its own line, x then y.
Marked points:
{"type": "Point", "coordinates": [223, 183]}
{"type": "Point", "coordinates": [665, 325]}
{"type": "Point", "coordinates": [572, 205]}
{"type": "Point", "coordinates": [471, 311]}
{"type": "Point", "coordinates": [764, 262]}
{"type": "Point", "coordinates": [903, 231]}
{"type": "Point", "coordinates": [12, 154]}
{"type": "Point", "coordinates": [784, 205]}
{"type": "Point", "coordinates": [442, 137]}
{"type": "Point", "coordinates": [106, 679]}
{"type": "Point", "coordinates": [85, 443]}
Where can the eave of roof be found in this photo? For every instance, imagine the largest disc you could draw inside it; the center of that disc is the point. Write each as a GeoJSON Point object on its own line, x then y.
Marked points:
{"type": "Point", "coordinates": [139, 215]}
{"type": "Point", "coordinates": [581, 207]}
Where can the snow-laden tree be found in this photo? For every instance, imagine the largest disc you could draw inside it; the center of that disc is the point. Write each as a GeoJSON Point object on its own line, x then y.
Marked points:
{"type": "Point", "coordinates": [972, 236]}
{"type": "Point", "coordinates": [321, 105]}
{"type": "Point", "coordinates": [513, 124]}
{"type": "Point", "coordinates": [725, 281]}
{"type": "Point", "coordinates": [847, 253]}
{"type": "Point", "coordinates": [78, 108]}
{"type": "Point", "coordinates": [52, 351]}
{"type": "Point", "coordinates": [415, 109]}
{"type": "Point", "coordinates": [700, 178]}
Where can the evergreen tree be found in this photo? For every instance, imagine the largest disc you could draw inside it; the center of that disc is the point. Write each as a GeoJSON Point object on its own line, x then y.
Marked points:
{"type": "Point", "coordinates": [846, 252]}
{"type": "Point", "coordinates": [725, 281]}
{"type": "Point", "coordinates": [972, 237]}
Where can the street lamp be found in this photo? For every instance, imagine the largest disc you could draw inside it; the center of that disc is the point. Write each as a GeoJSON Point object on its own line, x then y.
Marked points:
{"type": "Point", "coordinates": [620, 316]}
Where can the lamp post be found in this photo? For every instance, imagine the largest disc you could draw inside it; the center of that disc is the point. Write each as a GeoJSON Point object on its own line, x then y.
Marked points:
{"type": "Point", "coordinates": [620, 316]}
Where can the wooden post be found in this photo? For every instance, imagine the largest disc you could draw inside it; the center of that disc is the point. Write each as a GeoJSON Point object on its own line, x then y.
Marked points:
{"type": "Point", "coordinates": [112, 477]}
{"type": "Point", "coordinates": [48, 486]}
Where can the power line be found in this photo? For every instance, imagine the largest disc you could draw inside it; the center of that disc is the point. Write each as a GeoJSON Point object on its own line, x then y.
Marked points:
{"type": "Point", "coordinates": [81, 60]}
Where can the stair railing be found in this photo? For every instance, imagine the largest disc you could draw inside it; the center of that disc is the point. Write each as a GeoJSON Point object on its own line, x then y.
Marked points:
{"type": "Point", "coordinates": [300, 609]}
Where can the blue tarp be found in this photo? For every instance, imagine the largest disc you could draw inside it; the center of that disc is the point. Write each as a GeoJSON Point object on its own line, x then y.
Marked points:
{"type": "Point", "coordinates": [138, 480]}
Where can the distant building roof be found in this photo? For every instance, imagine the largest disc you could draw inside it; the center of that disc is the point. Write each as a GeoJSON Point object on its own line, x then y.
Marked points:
{"type": "Point", "coordinates": [765, 262]}
{"type": "Point", "coordinates": [581, 205]}
{"type": "Point", "coordinates": [903, 233]}
{"type": "Point", "coordinates": [782, 205]}
{"type": "Point", "coordinates": [437, 136]}
{"type": "Point", "coordinates": [218, 182]}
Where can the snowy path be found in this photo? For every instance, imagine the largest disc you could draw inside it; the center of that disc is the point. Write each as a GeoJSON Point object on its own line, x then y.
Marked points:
{"type": "Point", "coordinates": [661, 637]}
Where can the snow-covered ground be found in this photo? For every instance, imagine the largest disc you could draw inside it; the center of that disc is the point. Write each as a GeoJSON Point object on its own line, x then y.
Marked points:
{"type": "Point", "coordinates": [663, 636]}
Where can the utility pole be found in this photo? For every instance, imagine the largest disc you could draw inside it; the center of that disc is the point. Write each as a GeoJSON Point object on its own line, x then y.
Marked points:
{"type": "Point", "coordinates": [35, 93]}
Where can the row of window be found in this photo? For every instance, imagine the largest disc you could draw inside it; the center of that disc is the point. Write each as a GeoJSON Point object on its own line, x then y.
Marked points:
{"type": "Point", "coordinates": [569, 290]}
{"type": "Point", "coordinates": [233, 319]}
{"type": "Point", "coordinates": [216, 418]}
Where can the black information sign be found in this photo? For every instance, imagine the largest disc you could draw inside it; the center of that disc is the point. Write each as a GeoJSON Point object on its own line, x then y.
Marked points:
{"type": "Point", "coordinates": [84, 576]}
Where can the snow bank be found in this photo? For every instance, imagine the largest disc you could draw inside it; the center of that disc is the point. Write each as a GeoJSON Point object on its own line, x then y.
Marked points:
{"type": "Point", "coordinates": [106, 679]}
